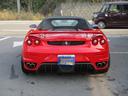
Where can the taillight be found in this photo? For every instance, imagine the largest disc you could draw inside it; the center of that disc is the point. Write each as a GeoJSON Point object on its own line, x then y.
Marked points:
{"type": "Point", "coordinates": [33, 41]}
{"type": "Point", "coordinates": [95, 41]}
{"type": "Point", "coordinates": [29, 42]}
{"type": "Point", "coordinates": [102, 41]}
{"type": "Point", "coordinates": [37, 42]}
{"type": "Point", "coordinates": [99, 40]}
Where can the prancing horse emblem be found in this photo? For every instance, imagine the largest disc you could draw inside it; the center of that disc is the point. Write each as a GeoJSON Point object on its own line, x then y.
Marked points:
{"type": "Point", "coordinates": [66, 43]}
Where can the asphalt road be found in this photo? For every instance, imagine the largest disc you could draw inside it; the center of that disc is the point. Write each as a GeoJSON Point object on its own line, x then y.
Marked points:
{"type": "Point", "coordinates": [15, 83]}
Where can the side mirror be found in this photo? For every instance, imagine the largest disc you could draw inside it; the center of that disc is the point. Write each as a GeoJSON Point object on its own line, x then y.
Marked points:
{"type": "Point", "coordinates": [33, 26]}
{"type": "Point", "coordinates": [95, 26]}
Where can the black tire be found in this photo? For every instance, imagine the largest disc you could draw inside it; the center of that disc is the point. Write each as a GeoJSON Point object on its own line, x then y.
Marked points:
{"type": "Point", "coordinates": [101, 24]}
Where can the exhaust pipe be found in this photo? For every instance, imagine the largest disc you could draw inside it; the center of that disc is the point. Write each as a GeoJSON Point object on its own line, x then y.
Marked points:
{"type": "Point", "coordinates": [30, 64]}
{"type": "Point", "coordinates": [101, 64]}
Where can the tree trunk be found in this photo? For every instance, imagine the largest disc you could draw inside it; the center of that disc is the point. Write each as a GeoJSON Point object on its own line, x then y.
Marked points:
{"type": "Point", "coordinates": [30, 5]}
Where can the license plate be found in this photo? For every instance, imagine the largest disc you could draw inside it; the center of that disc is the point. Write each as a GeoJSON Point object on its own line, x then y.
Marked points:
{"type": "Point", "coordinates": [66, 59]}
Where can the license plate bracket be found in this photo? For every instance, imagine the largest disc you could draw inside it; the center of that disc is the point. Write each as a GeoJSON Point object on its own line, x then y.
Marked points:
{"type": "Point", "coordinates": [66, 59]}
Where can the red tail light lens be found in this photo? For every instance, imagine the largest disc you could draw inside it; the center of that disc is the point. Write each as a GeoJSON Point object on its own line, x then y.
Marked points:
{"type": "Point", "coordinates": [33, 41]}
{"type": "Point", "coordinates": [95, 41]}
{"type": "Point", "coordinates": [102, 41]}
{"type": "Point", "coordinates": [29, 42]}
{"type": "Point", "coordinates": [37, 42]}
{"type": "Point", "coordinates": [98, 39]}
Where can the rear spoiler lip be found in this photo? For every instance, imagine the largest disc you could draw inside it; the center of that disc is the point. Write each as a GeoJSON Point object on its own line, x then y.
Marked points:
{"type": "Point", "coordinates": [62, 32]}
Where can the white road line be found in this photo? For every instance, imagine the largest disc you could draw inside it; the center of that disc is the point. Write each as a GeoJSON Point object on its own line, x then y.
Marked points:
{"type": "Point", "coordinates": [17, 43]}
{"type": "Point", "coordinates": [13, 30]}
{"type": "Point", "coordinates": [4, 38]}
{"type": "Point", "coordinates": [119, 52]}
{"type": "Point", "coordinates": [18, 22]}
{"type": "Point", "coordinates": [116, 36]}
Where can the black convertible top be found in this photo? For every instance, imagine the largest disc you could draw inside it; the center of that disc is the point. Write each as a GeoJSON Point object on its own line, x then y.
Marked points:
{"type": "Point", "coordinates": [46, 24]}
{"type": "Point", "coordinates": [65, 17]}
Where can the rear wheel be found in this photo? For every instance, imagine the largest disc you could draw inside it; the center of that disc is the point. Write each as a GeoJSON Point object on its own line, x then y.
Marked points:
{"type": "Point", "coordinates": [102, 24]}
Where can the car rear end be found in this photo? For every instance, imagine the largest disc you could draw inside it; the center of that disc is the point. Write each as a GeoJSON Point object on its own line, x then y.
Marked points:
{"type": "Point", "coordinates": [68, 51]}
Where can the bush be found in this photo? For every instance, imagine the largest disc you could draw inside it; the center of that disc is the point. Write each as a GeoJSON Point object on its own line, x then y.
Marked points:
{"type": "Point", "coordinates": [12, 15]}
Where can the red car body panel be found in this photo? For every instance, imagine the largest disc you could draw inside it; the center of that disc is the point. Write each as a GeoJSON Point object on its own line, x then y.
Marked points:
{"type": "Point", "coordinates": [86, 52]}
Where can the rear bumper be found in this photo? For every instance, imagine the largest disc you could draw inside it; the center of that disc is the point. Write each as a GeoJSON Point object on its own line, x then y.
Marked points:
{"type": "Point", "coordinates": [54, 67]}
{"type": "Point", "coordinates": [50, 58]}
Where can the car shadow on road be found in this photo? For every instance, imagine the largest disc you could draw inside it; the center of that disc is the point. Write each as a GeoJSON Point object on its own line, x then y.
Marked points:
{"type": "Point", "coordinates": [64, 74]}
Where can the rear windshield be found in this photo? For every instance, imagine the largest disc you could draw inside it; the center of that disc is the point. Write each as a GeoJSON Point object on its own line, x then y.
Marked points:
{"type": "Point", "coordinates": [59, 23]}
{"type": "Point", "coordinates": [64, 23]}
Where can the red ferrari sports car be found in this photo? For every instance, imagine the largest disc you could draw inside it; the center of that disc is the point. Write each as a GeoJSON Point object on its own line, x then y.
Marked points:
{"type": "Point", "coordinates": [65, 44]}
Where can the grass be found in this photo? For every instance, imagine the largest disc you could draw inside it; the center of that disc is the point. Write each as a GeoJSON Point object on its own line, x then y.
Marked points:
{"type": "Point", "coordinates": [12, 15]}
